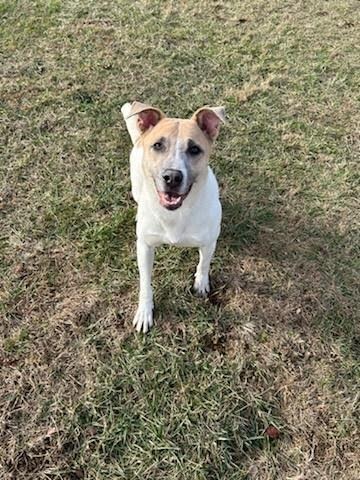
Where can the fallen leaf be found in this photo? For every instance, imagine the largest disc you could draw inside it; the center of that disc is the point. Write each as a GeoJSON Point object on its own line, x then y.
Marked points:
{"type": "Point", "coordinates": [272, 432]}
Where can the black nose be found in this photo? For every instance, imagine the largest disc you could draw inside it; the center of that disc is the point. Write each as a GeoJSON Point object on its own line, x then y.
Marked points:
{"type": "Point", "coordinates": [172, 178]}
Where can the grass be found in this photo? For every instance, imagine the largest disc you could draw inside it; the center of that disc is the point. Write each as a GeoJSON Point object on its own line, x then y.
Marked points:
{"type": "Point", "coordinates": [277, 343]}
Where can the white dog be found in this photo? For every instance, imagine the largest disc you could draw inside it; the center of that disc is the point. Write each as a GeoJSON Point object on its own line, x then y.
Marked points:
{"type": "Point", "coordinates": [175, 189]}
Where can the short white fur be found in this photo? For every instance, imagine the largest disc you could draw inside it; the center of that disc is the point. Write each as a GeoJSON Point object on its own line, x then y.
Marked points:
{"type": "Point", "coordinates": [195, 224]}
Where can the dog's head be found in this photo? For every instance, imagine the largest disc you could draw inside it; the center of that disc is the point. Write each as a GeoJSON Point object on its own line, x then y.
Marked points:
{"type": "Point", "coordinates": [176, 151]}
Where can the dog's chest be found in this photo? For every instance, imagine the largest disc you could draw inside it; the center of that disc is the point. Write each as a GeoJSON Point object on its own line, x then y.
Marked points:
{"type": "Point", "coordinates": [186, 238]}
{"type": "Point", "coordinates": [182, 234]}
{"type": "Point", "coordinates": [192, 225]}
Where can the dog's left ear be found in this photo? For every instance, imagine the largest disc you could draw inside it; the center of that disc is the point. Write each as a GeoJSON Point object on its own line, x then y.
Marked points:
{"type": "Point", "coordinates": [209, 120]}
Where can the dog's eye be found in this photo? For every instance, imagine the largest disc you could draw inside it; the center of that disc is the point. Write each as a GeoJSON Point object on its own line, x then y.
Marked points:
{"type": "Point", "coordinates": [194, 150]}
{"type": "Point", "coordinates": [158, 146]}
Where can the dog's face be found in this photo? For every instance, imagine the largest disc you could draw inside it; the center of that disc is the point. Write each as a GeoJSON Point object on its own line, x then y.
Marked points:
{"type": "Point", "coordinates": [176, 156]}
{"type": "Point", "coordinates": [176, 151]}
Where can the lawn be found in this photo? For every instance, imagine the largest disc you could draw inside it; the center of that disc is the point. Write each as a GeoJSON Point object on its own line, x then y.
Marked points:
{"type": "Point", "coordinates": [262, 379]}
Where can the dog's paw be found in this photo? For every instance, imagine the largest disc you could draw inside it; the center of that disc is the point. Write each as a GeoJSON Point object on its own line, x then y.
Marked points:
{"type": "Point", "coordinates": [143, 319]}
{"type": "Point", "coordinates": [201, 285]}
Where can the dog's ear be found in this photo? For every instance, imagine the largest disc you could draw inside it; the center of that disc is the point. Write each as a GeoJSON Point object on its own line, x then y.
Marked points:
{"type": "Point", "coordinates": [147, 116]}
{"type": "Point", "coordinates": [209, 120]}
{"type": "Point", "coordinates": [139, 118]}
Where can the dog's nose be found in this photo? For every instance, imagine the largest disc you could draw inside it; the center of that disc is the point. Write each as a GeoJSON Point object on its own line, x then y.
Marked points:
{"type": "Point", "coordinates": [172, 178]}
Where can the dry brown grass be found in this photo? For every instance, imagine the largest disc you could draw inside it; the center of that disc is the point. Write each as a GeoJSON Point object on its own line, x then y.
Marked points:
{"type": "Point", "coordinates": [277, 342]}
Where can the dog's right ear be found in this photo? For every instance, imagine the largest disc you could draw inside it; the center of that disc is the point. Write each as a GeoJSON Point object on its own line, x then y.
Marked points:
{"type": "Point", "coordinates": [140, 117]}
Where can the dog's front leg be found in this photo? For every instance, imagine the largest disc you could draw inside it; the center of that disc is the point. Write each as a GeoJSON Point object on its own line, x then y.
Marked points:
{"type": "Point", "coordinates": [202, 284]}
{"type": "Point", "coordinates": [144, 316]}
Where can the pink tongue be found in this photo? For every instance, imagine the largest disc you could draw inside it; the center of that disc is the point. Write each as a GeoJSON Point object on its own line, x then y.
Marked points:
{"type": "Point", "coordinates": [169, 198]}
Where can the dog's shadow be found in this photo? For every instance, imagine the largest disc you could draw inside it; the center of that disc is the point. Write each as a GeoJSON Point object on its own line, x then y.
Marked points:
{"type": "Point", "coordinates": [288, 247]}
{"type": "Point", "coordinates": [286, 264]}
{"type": "Point", "coordinates": [241, 224]}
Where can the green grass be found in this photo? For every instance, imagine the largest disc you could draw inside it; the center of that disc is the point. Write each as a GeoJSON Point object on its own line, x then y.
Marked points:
{"type": "Point", "coordinates": [277, 343]}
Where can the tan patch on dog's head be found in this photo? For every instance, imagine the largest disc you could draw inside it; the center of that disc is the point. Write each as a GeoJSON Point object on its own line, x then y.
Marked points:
{"type": "Point", "coordinates": [174, 146]}
{"type": "Point", "coordinates": [172, 139]}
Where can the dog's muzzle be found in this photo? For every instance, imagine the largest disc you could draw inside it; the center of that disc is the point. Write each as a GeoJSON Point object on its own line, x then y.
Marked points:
{"type": "Point", "coordinates": [170, 195]}
{"type": "Point", "coordinates": [171, 192]}
{"type": "Point", "coordinates": [172, 178]}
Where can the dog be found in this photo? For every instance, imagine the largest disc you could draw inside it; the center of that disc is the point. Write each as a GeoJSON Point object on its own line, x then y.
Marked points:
{"type": "Point", "coordinates": [175, 189]}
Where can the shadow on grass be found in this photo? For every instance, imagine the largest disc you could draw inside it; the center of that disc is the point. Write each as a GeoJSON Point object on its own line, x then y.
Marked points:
{"type": "Point", "coordinates": [289, 257]}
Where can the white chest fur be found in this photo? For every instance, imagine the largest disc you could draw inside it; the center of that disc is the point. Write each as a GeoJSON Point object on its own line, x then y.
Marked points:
{"type": "Point", "coordinates": [195, 223]}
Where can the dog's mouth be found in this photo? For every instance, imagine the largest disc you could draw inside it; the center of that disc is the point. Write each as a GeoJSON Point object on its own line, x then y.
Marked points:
{"type": "Point", "coordinates": [172, 200]}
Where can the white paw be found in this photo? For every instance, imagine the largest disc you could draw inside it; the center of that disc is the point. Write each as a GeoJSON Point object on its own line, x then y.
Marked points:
{"type": "Point", "coordinates": [143, 319]}
{"type": "Point", "coordinates": [202, 285]}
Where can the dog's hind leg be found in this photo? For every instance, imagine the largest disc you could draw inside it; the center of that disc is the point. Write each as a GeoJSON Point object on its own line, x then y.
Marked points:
{"type": "Point", "coordinates": [202, 284]}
